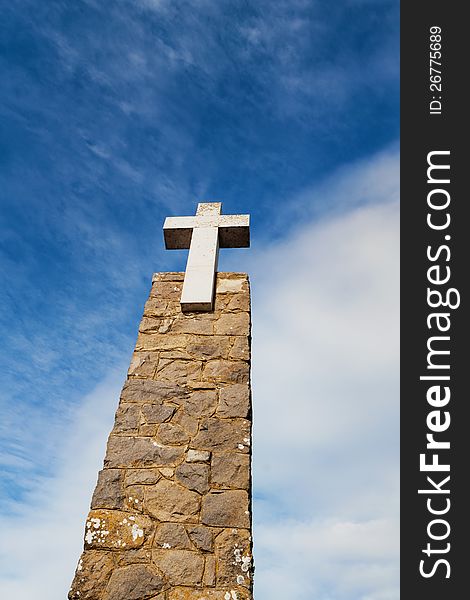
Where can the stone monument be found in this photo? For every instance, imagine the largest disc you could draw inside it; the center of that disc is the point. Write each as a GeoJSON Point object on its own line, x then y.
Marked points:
{"type": "Point", "coordinates": [170, 517]}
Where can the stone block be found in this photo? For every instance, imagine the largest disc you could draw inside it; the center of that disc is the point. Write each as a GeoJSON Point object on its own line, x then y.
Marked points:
{"type": "Point", "coordinates": [240, 349]}
{"type": "Point", "coordinates": [201, 403]}
{"type": "Point", "coordinates": [92, 575]}
{"type": "Point", "coordinates": [156, 307]}
{"type": "Point", "coordinates": [233, 324]}
{"type": "Point", "coordinates": [151, 392]}
{"type": "Point", "coordinates": [179, 371]}
{"type": "Point", "coordinates": [226, 371]}
{"type": "Point", "coordinates": [114, 529]}
{"type": "Point", "coordinates": [166, 290]}
{"type": "Point", "coordinates": [231, 470]}
{"type": "Point", "coordinates": [140, 452]}
{"type": "Point", "coordinates": [180, 567]}
{"type": "Point", "coordinates": [172, 535]}
{"type": "Point", "coordinates": [194, 456]}
{"type": "Point", "coordinates": [160, 341]}
{"type": "Point", "coordinates": [229, 286]}
{"type": "Point", "coordinates": [134, 499]}
{"type": "Point", "coordinates": [207, 347]}
{"type": "Point", "coordinates": [173, 434]}
{"type": "Point", "coordinates": [198, 325]}
{"type": "Point", "coordinates": [151, 325]}
{"type": "Point", "coordinates": [157, 413]}
{"type": "Point", "coordinates": [223, 434]}
{"type": "Point", "coordinates": [187, 422]}
{"type": "Point", "coordinates": [234, 401]}
{"type": "Point", "coordinates": [239, 302]}
{"type": "Point", "coordinates": [234, 559]}
{"type": "Point", "coordinates": [209, 571]}
{"type": "Point", "coordinates": [109, 491]}
{"type": "Point", "coordinates": [194, 476]}
{"type": "Point", "coordinates": [141, 477]}
{"type": "Point", "coordinates": [202, 537]}
{"type": "Point", "coordinates": [134, 582]}
{"type": "Point", "coordinates": [170, 501]}
{"type": "Point", "coordinates": [143, 365]}
{"type": "Point", "coordinates": [226, 509]}
{"type": "Point", "coordinates": [127, 418]}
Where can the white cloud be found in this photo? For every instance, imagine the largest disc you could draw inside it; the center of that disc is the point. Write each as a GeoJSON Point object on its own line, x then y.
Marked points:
{"type": "Point", "coordinates": [325, 378]}
{"type": "Point", "coordinates": [41, 543]}
{"type": "Point", "coordinates": [325, 310]}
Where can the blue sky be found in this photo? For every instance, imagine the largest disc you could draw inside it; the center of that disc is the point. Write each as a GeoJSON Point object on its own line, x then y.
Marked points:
{"type": "Point", "coordinates": [115, 115]}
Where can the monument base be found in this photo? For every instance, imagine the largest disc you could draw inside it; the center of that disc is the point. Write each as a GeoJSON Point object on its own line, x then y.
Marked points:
{"type": "Point", "coordinates": [170, 517]}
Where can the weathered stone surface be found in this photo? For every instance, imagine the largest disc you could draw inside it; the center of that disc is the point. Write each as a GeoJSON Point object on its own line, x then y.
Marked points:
{"type": "Point", "coordinates": [167, 472]}
{"type": "Point", "coordinates": [201, 536]}
{"type": "Point", "coordinates": [170, 514]}
{"type": "Point", "coordinates": [240, 349]}
{"type": "Point", "coordinates": [233, 324]}
{"type": "Point", "coordinates": [230, 593]}
{"type": "Point", "coordinates": [141, 477]}
{"type": "Point", "coordinates": [226, 371]}
{"type": "Point", "coordinates": [160, 341]}
{"type": "Point", "coordinates": [154, 325]}
{"type": "Point", "coordinates": [156, 307]}
{"type": "Point", "coordinates": [231, 469]}
{"type": "Point", "coordinates": [133, 556]}
{"type": "Point", "coordinates": [234, 559]}
{"type": "Point", "coordinates": [234, 401]}
{"type": "Point", "coordinates": [167, 289]}
{"type": "Point", "coordinates": [226, 509]}
{"type": "Point", "coordinates": [135, 498]}
{"type": "Point", "coordinates": [173, 434]}
{"type": "Point", "coordinates": [179, 371]}
{"type": "Point", "coordinates": [170, 501]}
{"type": "Point", "coordinates": [151, 392]}
{"type": "Point", "coordinates": [194, 476]}
{"type": "Point", "coordinates": [157, 413]}
{"type": "Point", "coordinates": [201, 403]}
{"type": "Point", "coordinates": [114, 529]}
{"type": "Point", "coordinates": [209, 346]}
{"type": "Point", "coordinates": [231, 286]}
{"type": "Point", "coordinates": [147, 430]}
{"type": "Point", "coordinates": [176, 354]}
{"type": "Point", "coordinates": [128, 418]}
{"type": "Point", "coordinates": [239, 302]}
{"type": "Point", "coordinates": [194, 456]}
{"type": "Point", "coordinates": [92, 575]}
{"type": "Point", "coordinates": [209, 571]}
{"type": "Point", "coordinates": [167, 276]}
{"type": "Point", "coordinates": [143, 364]}
{"type": "Point", "coordinates": [180, 567]}
{"type": "Point", "coordinates": [135, 582]}
{"type": "Point", "coordinates": [189, 423]}
{"type": "Point", "coordinates": [140, 452]}
{"type": "Point", "coordinates": [172, 535]}
{"type": "Point", "coordinates": [201, 325]}
{"type": "Point", "coordinates": [223, 434]}
{"type": "Point", "coordinates": [109, 492]}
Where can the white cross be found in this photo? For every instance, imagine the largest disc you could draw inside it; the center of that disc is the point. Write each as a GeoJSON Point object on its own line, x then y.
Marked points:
{"type": "Point", "coordinates": [203, 234]}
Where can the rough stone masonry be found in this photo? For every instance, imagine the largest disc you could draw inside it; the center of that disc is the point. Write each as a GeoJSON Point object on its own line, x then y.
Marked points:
{"type": "Point", "coordinates": [170, 517]}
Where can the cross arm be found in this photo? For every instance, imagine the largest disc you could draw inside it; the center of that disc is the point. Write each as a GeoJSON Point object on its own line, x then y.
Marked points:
{"type": "Point", "coordinates": [177, 232]}
{"type": "Point", "coordinates": [234, 231]}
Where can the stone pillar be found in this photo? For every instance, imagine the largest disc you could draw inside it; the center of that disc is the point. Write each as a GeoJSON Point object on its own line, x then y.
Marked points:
{"type": "Point", "coordinates": [170, 517]}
